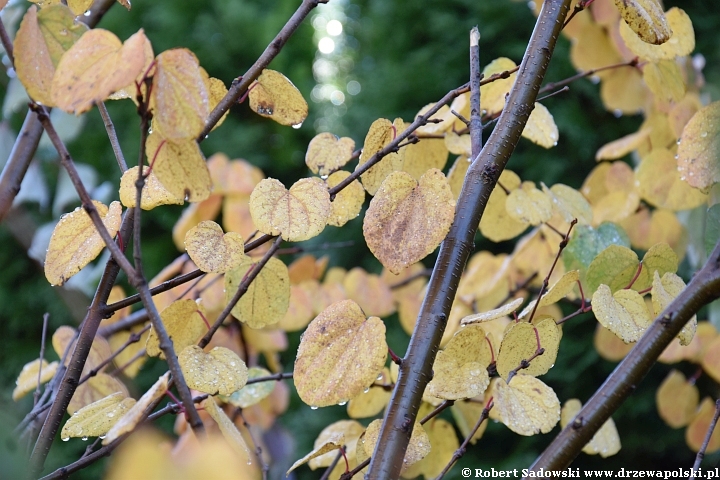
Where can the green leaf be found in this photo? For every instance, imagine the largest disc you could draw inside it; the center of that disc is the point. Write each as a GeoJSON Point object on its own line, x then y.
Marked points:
{"type": "Point", "coordinates": [587, 242]}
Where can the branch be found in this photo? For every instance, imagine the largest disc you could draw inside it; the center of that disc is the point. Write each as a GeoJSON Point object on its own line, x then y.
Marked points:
{"type": "Point", "coordinates": [241, 84]}
{"type": "Point", "coordinates": [475, 78]}
{"type": "Point", "coordinates": [112, 135]}
{"type": "Point", "coordinates": [416, 369]}
{"type": "Point", "coordinates": [706, 441]}
{"type": "Point", "coordinates": [702, 289]}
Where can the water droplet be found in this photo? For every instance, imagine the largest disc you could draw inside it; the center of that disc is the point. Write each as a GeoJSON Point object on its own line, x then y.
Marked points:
{"type": "Point", "coordinates": [324, 177]}
{"type": "Point", "coordinates": [84, 439]}
{"type": "Point", "coordinates": [617, 112]}
{"type": "Point", "coordinates": [366, 390]}
{"type": "Point", "coordinates": [66, 439]}
{"type": "Point", "coordinates": [343, 403]}
{"type": "Point", "coordinates": [313, 407]}
{"type": "Point", "coordinates": [379, 377]}
{"type": "Point", "coordinates": [111, 415]}
{"type": "Point", "coordinates": [87, 13]}
{"type": "Point", "coordinates": [297, 125]}
{"type": "Point", "coordinates": [102, 437]}
{"type": "Point", "coordinates": [555, 144]}
{"type": "Point", "coordinates": [703, 134]}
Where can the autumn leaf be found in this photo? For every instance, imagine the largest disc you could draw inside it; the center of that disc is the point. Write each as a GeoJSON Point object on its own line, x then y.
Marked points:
{"type": "Point", "coordinates": [75, 242]}
{"type": "Point", "coordinates": [622, 146]}
{"type": "Point", "coordinates": [136, 413]}
{"type": "Point", "coordinates": [664, 79]}
{"type": "Point", "coordinates": [624, 312]}
{"type": "Point", "coordinates": [569, 203]}
{"type": "Point", "coordinates": [699, 148]}
{"type": "Point", "coordinates": [527, 406]}
{"type": "Point", "coordinates": [496, 223]}
{"type": "Point", "coordinates": [501, 311]}
{"type": "Point", "coordinates": [646, 19]}
{"type": "Point", "coordinates": [427, 154]}
{"type": "Point", "coordinates": [699, 426]}
{"type": "Point", "coordinates": [520, 343]}
{"type": "Point", "coordinates": [231, 433]}
{"type": "Point", "coordinates": [97, 418]}
{"type": "Point", "coordinates": [677, 400]}
{"type": "Point", "coordinates": [28, 380]}
{"type": "Point", "coordinates": [660, 183]}
{"type": "Point", "coordinates": [94, 389]}
{"type": "Point", "coordinates": [340, 354]}
{"type": "Point", "coordinates": [372, 400]}
{"type": "Point", "coordinates": [417, 449]}
{"type": "Point", "coordinates": [329, 444]}
{"type": "Point", "coordinates": [664, 291]}
{"type": "Point", "coordinates": [681, 42]}
{"type": "Point", "coordinates": [407, 220]}
{"type": "Point", "coordinates": [274, 96]}
{"type": "Point", "coordinates": [606, 441]}
{"type": "Point", "coordinates": [527, 204]}
{"type": "Point", "coordinates": [540, 127]}
{"type": "Point", "coordinates": [97, 65]}
{"type": "Point", "coordinates": [466, 413]}
{"type": "Point", "coordinates": [348, 202]}
{"type": "Point", "coordinates": [370, 292]}
{"type": "Point", "coordinates": [180, 167]}
{"type": "Point", "coordinates": [266, 299]}
{"type": "Point", "coordinates": [297, 214]}
{"type": "Point", "coordinates": [183, 320]}
{"type": "Point", "coordinates": [218, 371]}
{"type": "Point", "coordinates": [493, 94]}
{"type": "Point", "coordinates": [179, 98]}
{"type": "Point", "coordinates": [327, 153]}
{"type": "Point", "coordinates": [154, 193]}
{"type": "Point", "coordinates": [381, 133]}
{"type": "Point", "coordinates": [211, 250]}
{"type": "Point", "coordinates": [609, 346]}
{"type": "Point", "coordinates": [351, 431]}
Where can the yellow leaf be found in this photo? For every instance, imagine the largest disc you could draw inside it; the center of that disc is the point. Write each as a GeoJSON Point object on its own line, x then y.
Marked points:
{"type": "Point", "coordinates": [330, 443]}
{"type": "Point", "coordinates": [370, 292]}
{"type": "Point", "coordinates": [407, 220]}
{"type": "Point", "coordinates": [327, 153]}
{"type": "Point", "coordinates": [97, 65]}
{"type": "Point", "coordinates": [622, 146]}
{"type": "Point", "coordinates": [183, 320]}
{"type": "Point", "coordinates": [340, 354]}
{"type": "Point", "coordinates": [458, 144]}
{"type": "Point", "coordinates": [660, 183]}
{"type": "Point", "coordinates": [541, 128]}
{"type": "Point", "coordinates": [154, 193]}
{"type": "Point", "coordinates": [593, 49]}
{"type": "Point", "coordinates": [300, 309]}
{"type": "Point", "coordinates": [558, 291]}
{"type": "Point", "coordinates": [646, 229]}
{"type": "Point", "coordinates": [180, 167]}
{"type": "Point", "coordinates": [348, 202]}
{"type": "Point", "coordinates": [28, 378]}
{"type": "Point", "coordinates": [79, 7]}
{"type": "Point", "coordinates": [456, 176]}
{"type": "Point", "coordinates": [681, 43]}
{"type": "Point", "coordinates": [460, 369]}
{"type": "Point", "coordinates": [179, 97]}
{"type": "Point", "coordinates": [699, 148]}
{"type": "Point", "coordinates": [297, 214]}
{"type": "Point", "coordinates": [711, 359]}
{"type": "Point", "coordinates": [606, 441]}
{"type": "Point", "coordinates": [506, 309]}
{"type": "Point", "coordinates": [486, 275]}
{"type": "Point", "coordinates": [677, 400]}
{"type": "Point", "coordinates": [96, 419]}
{"type": "Point", "coordinates": [493, 94]}
{"type": "Point", "coordinates": [372, 400]}
{"type": "Point", "coordinates": [350, 430]}
{"type": "Point", "coordinates": [131, 90]}
{"type": "Point", "coordinates": [274, 96]}
{"type": "Point", "coordinates": [527, 406]}
{"type": "Point", "coordinates": [129, 354]}
{"type": "Point", "coordinates": [211, 250]}
{"type": "Point", "coordinates": [664, 79]}
{"type": "Point", "coordinates": [624, 91]}
{"type": "Point", "coordinates": [381, 133]}
{"type": "Point", "coordinates": [443, 444]}
{"type": "Point", "coordinates": [521, 342]}
{"type": "Point", "coordinates": [466, 414]}
{"type": "Point", "coordinates": [417, 449]}
{"type": "Point", "coordinates": [699, 346]}
{"type": "Point", "coordinates": [194, 214]}
{"type": "Point", "coordinates": [216, 91]}
{"type": "Point", "coordinates": [75, 242]}
{"type": "Point", "coordinates": [646, 19]}
{"type": "Point", "coordinates": [253, 393]}
{"type": "Point", "coordinates": [230, 432]}
{"type": "Point", "coordinates": [624, 313]}
{"type": "Point", "coordinates": [699, 426]}
{"type": "Point", "coordinates": [659, 258]}
{"type": "Point", "coordinates": [664, 291]}
{"type": "Point", "coordinates": [136, 413]}
{"type": "Point", "coordinates": [233, 177]}
{"type": "Point", "coordinates": [681, 113]}
{"type": "Point", "coordinates": [528, 205]}
{"type": "Point", "coordinates": [218, 371]}
{"type": "Point", "coordinates": [444, 118]}
{"type": "Point", "coordinates": [266, 299]}
{"type": "Point", "coordinates": [97, 387]}
{"type": "Point", "coordinates": [569, 203]}
{"type": "Point", "coordinates": [64, 339]}
{"type": "Point", "coordinates": [38, 46]}
{"type": "Point", "coordinates": [496, 223]}
{"type": "Point", "coordinates": [427, 154]}
{"type": "Point", "coordinates": [609, 346]}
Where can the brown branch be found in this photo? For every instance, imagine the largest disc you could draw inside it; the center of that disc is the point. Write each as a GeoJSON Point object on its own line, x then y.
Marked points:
{"type": "Point", "coordinates": [416, 369]}
{"type": "Point", "coordinates": [475, 78]}
{"type": "Point", "coordinates": [135, 318]}
{"type": "Point", "coordinates": [241, 84]}
{"type": "Point", "coordinates": [112, 135]}
{"type": "Point", "coordinates": [463, 447]}
{"type": "Point", "coordinates": [134, 338]}
{"type": "Point", "coordinates": [702, 289]}
{"type": "Point", "coordinates": [437, 411]}
{"type": "Point", "coordinates": [553, 85]}
{"type": "Point", "coordinates": [426, 272]}
{"type": "Point", "coordinates": [270, 378]}
{"type": "Point", "coordinates": [701, 453]}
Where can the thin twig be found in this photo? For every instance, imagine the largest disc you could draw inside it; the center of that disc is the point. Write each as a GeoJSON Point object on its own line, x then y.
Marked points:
{"type": "Point", "coordinates": [270, 378]}
{"type": "Point", "coordinates": [36, 395]}
{"type": "Point", "coordinates": [475, 123]}
{"type": "Point", "coordinates": [331, 467]}
{"type": "Point", "coordinates": [436, 411]}
{"type": "Point", "coordinates": [112, 135]}
{"type": "Point", "coordinates": [706, 441]}
{"type": "Point", "coordinates": [554, 85]}
{"type": "Point", "coordinates": [163, 287]}
{"type": "Point", "coordinates": [134, 338]}
{"type": "Point", "coordinates": [426, 272]}
{"type": "Point", "coordinates": [132, 320]}
{"type": "Point", "coordinates": [356, 470]}
{"type": "Point", "coordinates": [7, 44]}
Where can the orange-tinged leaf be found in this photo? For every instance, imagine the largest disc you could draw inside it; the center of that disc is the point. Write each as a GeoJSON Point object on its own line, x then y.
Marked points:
{"type": "Point", "coordinates": [677, 400]}
{"type": "Point", "coordinates": [96, 419]}
{"type": "Point", "coordinates": [660, 184]}
{"type": "Point", "coordinates": [493, 94]}
{"type": "Point", "coordinates": [370, 292]}
{"type": "Point", "coordinates": [180, 167]}
{"type": "Point", "coordinates": [327, 153]}
{"type": "Point", "coordinates": [681, 43]}
{"type": "Point", "coordinates": [154, 193]}
{"type": "Point", "coordinates": [646, 229]}
{"type": "Point", "coordinates": [348, 202]}
{"type": "Point", "coordinates": [97, 65]}
{"type": "Point", "coordinates": [646, 19]}
{"type": "Point", "coordinates": [133, 416]}
{"type": "Point", "coordinates": [624, 313]}
{"type": "Point", "coordinates": [266, 300]}
{"type": "Point", "coordinates": [179, 97]}
{"type": "Point", "coordinates": [606, 441]}
{"type": "Point", "coordinates": [131, 90]}
{"type": "Point", "coordinates": [38, 46]}
{"type": "Point", "coordinates": [28, 378]}
{"type": "Point", "coordinates": [417, 449]}
{"type": "Point", "coordinates": [521, 342]}
{"type": "Point", "coordinates": [183, 320]}
{"type": "Point", "coordinates": [527, 406]}
{"type": "Point", "coordinates": [609, 346]}
{"type": "Point", "coordinates": [307, 267]}
{"type": "Point", "coordinates": [300, 309]}
{"type": "Point", "coordinates": [381, 133]}
{"type": "Point", "coordinates": [274, 96]}
{"type": "Point", "coordinates": [407, 220]}
{"type": "Point", "coordinates": [665, 80]}
{"type": "Point", "coordinates": [75, 242]}
{"type": "Point", "coordinates": [340, 354]}
{"type": "Point", "coordinates": [622, 146]}
{"type": "Point", "coordinates": [233, 177]}
{"type": "Point", "coordinates": [297, 214]}
{"type": "Point", "coordinates": [218, 371]}
{"type": "Point", "coordinates": [541, 128]}
{"type": "Point", "coordinates": [699, 426]}
{"type": "Point", "coordinates": [213, 251]}
{"type": "Point", "coordinates": [460, 369]}
{"type": "Point", "coordinates": [527, 204]}
{"type": "Point", "coordinates": [96, 388]}
{"type": "Point", "coordinates": [496, 223]}
{"type": "Point", "coordinates": [699, 148]}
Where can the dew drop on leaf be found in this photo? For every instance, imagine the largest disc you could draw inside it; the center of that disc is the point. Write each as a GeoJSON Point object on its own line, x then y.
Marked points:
{"type": "Point", "coordinates": [313, 407]}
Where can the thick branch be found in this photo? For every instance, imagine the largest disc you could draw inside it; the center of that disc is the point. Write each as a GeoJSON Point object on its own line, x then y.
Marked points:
{"type": "Point", "coordinates": [702, 289]}
{"type": "Point", "coordinates": [416, 369]}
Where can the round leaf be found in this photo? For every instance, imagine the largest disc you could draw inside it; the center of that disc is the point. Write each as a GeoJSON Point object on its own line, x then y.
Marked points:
{"type": "Point", "coordinates": [154, 193]}
{"type": "Point", "coordinates": [646, 19]}
{"type": "Point", "coordinates": [681, 42]}
{"type": "Point", "coordinates": [266, 300]}
{"type": "Point", "coordinates": [218, 371]}
{"type": "Point", "coordinates": [327, 153]}
{"type": "Point", "coordinates": [180, 167]}
{"type": "Point", "coordinates": [527, 406]}
{"type": "Point", "coordinates": [211, 250]}
{"type": "Point", "coordinates": [348, 202]}
{"type": "Point", "coordinates": [274, 96]}
{"type": "Point", "coordinates": [624, 313]}
{"type": "Point", "coordinates": [183, 320]}
{"type": "Point", "coordinates": [521, 342]}
{"type": "Point", "coordinates": [699, 148]}
{"type": "Point", "coordinates": [540, 128]}
{"type": "Point", "coordinates": [97, 418]}
{"type": "Point", "coordinates": [677, 400]}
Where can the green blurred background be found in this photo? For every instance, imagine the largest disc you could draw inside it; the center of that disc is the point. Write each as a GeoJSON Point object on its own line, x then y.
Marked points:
{"type": "Point", "coordinates": [392, 58]}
